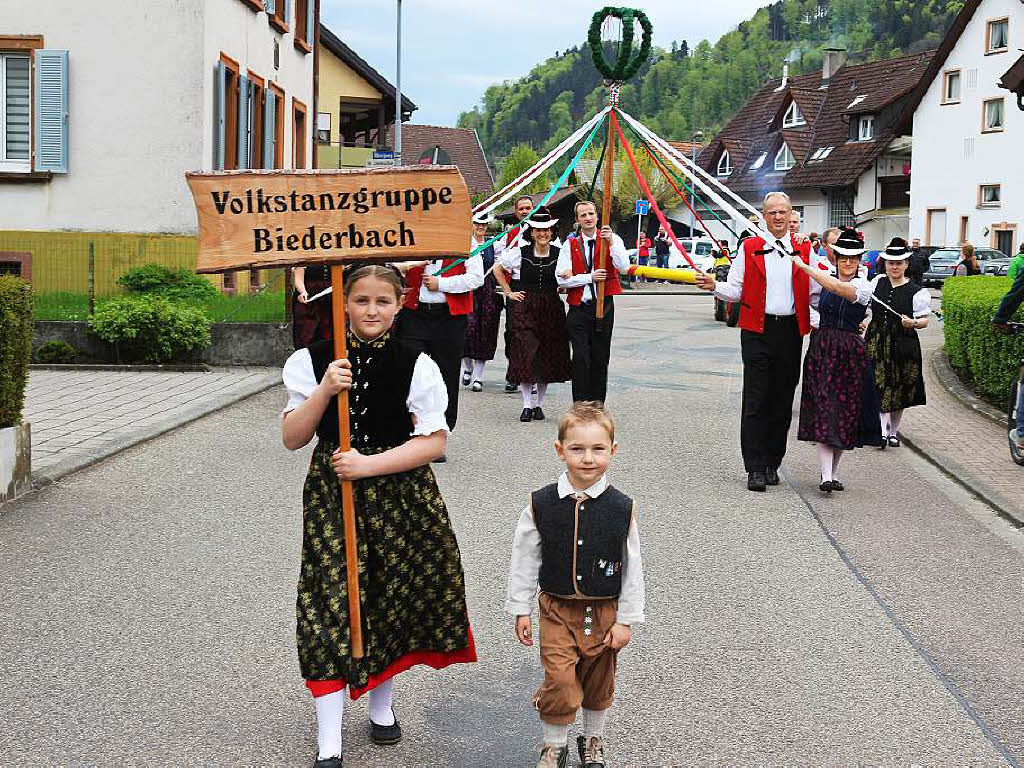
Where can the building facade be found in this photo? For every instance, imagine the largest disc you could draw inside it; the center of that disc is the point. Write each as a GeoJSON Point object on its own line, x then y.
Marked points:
{"type": "Point", "coordinates": [968, 183]}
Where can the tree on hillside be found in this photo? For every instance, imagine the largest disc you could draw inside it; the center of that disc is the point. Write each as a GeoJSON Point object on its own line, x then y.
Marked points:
{"type": "Point", "coordinates": [519, 160]}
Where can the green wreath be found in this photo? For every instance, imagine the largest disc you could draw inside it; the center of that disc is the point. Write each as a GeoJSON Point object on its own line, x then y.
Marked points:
{"type": "Point", "coordinates": [625, 65]}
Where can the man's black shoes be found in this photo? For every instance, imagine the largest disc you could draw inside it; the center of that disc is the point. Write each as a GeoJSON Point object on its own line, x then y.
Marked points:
{"type": "Point", "coordinates": [772, 477]}
{"type": "Point", "coordinates": [757, 481]}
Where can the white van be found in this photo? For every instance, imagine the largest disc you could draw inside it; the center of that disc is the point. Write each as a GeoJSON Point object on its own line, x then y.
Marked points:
{"type": "Point", "coordinates": [700, 249]}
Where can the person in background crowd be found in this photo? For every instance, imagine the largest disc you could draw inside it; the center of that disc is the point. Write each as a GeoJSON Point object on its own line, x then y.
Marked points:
{"type": "Point", "coordinates": [794, 228]}
{"type": "Point", "coordinates": [661, 248]}
{"type": "Point", "coordinates": [828, 254]}
{"type": "Point", "coordinates": [1012, 300]}
{"type": "Point", "coordinates": [514, 239]}
{"type": "Point", "coordinates": [643, 253]}
{"type": "Point", "coordinates": [311, 320]}
{"type": "Point", "coordinates": [968, 262]}
{"type": "Point", "coordinates": [870, 262]}
{"type": "Point", "coordinates": [482, 323]}
{"type": "Point", "coordinates": [815, 242]}
{"type": "Point", "coordinates": [919, 262]}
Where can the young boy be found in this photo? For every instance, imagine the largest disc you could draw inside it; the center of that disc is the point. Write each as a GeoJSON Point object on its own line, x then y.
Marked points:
{"type": "Point", "coordinates": [578, 542]}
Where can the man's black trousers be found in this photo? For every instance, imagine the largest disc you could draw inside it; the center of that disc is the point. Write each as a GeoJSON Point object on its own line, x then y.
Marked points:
{"type": "Point", "coordinates": [771, 370]}
{"type": "Point", "coordinates": [434, 330]}
{"type": "Point", "coordinates": [591, 341]}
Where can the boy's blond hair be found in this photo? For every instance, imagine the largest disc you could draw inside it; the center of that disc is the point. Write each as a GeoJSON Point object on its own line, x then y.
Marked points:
{"type": "Point", "coordinates": [586, 412]}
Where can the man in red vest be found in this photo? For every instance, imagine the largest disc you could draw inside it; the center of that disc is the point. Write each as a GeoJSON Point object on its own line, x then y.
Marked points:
{"type": "Point", "coordinates": [591, 338]}
{"type": "Point", "coordinates": [774, 301]}
{"type": "Point", "coordinates": [433, 317]}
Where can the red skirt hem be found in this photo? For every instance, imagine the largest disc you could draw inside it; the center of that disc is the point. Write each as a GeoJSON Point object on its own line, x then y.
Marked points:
{"type": "Point", "coordinates": [434, 659]}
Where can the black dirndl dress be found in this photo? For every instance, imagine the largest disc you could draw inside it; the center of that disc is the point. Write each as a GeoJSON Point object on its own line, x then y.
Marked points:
{"type": "Point", "coordinates": [482, 323]}
{"type": "Point", "coordinates": [838, 401]}
{"type": "Point", "coordinates": [411, 583]}
{"type": "Point", "coordinates": [895, 350]}
{"type": "Point", "coordinates": [313, 321]}
{"type": "Point", "coordinates": [538, 333]}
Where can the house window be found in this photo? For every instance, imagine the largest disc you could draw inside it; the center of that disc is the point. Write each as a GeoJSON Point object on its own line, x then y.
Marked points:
{"type": "Point", "coordinates": [784, 160]}
{"type": "Point", "coordinates": [993, 116]}
{"type": "Point", "coordinates": [793, 117]}
{"type": "Point", "coordinates": [323, 127]}
{"type": "Point", "coordinates": [276, 14]}
{"type": "Point", "coordinates": [228, 284]}
{"type": "Point", "coordinates": [255, 284]}
{"type": "Point", "coordinates": [866, 128]}
{"type": "Point", "coordinates": [304, 25]}
{"type": "Point", "coordinates": [15, 112]}
{"type": "Point", "coordinates": [724, 164]}
{"type": "Point", "coordinates": [990, 195]}
{"type": "Point", "coordinates": [255, 144]}
{"type": "Point", "coordinates": [226, 83]}
{"type": "Point", "coordinates": [298, 134]}
{"type": "Point", "coordinates": [997, 36]}
{"type": "Point", "coordinates": [951, 87]}
{"type": "Point", "coordinates": [275, 125]}
{"type": "Point", "coordinates": [33, 106]}
{"type": "Point", "coordinates": [759, 162]}
{"type": "Point", "coordinates": [840, 209]}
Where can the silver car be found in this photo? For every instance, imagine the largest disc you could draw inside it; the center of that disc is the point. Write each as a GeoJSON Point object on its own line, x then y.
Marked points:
{"type": "Point", "coordinates": [943, 263]}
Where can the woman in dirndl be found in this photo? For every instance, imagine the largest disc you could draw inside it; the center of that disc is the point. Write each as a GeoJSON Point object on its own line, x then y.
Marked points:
{"type": "Point", "coordinates": [893, 342]}
{"type": "Point", "coordinates": [311, 320]}
{"type": "Point", "coordinates": [535, 314]}
{"type": "Point", "coordinates": [482, 324]}
{"type": "Point", "coordinates": [838, 402]}
{"type": "Point", "coordinates": [411, 583]}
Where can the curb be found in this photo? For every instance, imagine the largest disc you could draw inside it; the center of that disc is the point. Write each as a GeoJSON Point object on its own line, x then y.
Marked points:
{"type": "Point", "coordinates": [947, 376]}
{"type": "Point", "coordinates": [184, 368]}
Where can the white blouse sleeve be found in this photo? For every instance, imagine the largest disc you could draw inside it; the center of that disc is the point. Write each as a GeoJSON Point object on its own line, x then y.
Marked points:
{"type": "Point", "coordinates": [428, 397]}
{"type": "Point", "coordinates": [299, 379]}
{"type": "Point", "coordinates": [511, 259]}
{"type": "Point", "coordinates": [815, 296]}
{"type": "Point", "coordinates": [922, 303]}
{"type": "Point", "coordinates": [865, 290]}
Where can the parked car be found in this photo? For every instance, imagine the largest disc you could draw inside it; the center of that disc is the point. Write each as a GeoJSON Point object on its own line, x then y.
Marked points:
{"type": "Point", "coordinates": [998, 267]}
{"type": "Point", "coordinates": [700, 249]}
{"type": "Point", "coordinates": [945, 260]}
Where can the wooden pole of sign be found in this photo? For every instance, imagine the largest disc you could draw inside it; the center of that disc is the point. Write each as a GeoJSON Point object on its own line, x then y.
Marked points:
{"type": "Point", "coordinates": [348, 505]}
{"type": "Point", "coordinates": [602, 247]}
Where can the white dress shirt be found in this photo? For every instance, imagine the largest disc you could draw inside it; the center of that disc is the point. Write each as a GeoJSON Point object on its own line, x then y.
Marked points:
{"type": "Point", "coordinates": [525, 567]}
{"type": "Point", "coordinates": [449, 283]}
{"type": "Point", "coordinates": [427, 400]}
{"type": "Point", "coordinates": [779, 274]}
{"type": "Point", "coordinates": [620, 262]}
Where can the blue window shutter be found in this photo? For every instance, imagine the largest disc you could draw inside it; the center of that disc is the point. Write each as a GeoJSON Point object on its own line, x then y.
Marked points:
{"type": "Point", "coordinates": [269, 113]}
{"type": "Point", "coordinates": [285, 10]}
{"type": "Point", "coordinates": [270, 6]}
{"type": "Point", "coordinates": [219, 83]}
{"type": "Point", "coordinates": [243, 122]}
{"type": "Point", "coordinates": [51, 111]}
{"type": "Point", "coordinates": [310, 21]}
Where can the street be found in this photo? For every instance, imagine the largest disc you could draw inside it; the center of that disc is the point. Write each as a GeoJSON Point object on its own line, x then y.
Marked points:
{"type": "Point", "coordinates": [148, 607]}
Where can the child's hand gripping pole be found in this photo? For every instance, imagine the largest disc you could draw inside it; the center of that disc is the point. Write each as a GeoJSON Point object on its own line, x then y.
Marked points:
{"type": "Point", "coordinates": [348, 507]}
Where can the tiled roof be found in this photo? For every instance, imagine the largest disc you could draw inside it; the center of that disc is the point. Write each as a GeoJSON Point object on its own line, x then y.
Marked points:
{"type": "Point", "coordinates": [687, 147]}
{"type": "Point", "coordinates": [462, 144]}
{"type": "Point", "coordinates": [757, 128]}
{"type": "Point", "coordinates": [1013, 79]}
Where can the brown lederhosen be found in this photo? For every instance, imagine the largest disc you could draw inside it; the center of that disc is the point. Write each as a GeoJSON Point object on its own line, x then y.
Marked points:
{"type": "Point", "coordinates": [579, 669]}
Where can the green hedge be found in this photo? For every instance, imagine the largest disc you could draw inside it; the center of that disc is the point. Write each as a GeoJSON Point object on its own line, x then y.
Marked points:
{"type": "Point", "coordinates": [150, 328]}
{"type": "Point", "coordinates": [989, 359]}
{"type": "Point", "coordinates": [169, 283]}
{"type": "Point", "coordinates": [15, 347]}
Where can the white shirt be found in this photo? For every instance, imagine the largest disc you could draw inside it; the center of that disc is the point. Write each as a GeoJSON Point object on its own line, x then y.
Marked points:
{"type": "Point", "coordinates": [511, 259]}
{"type": "Point", "coordinates": [503, 244]}
{"type": "Point", "coordinates": [620, 262]}
{"type": "Point", "coordinates": [864, 288]}
{"type": "Point", "coordinates": [449, 283]}
{"type": "Point", "coordinates": [427, 400]}
{"type": "Point", "coordinates": [779, 274]}
{"type": "Point", "coordinates": [525, 567]}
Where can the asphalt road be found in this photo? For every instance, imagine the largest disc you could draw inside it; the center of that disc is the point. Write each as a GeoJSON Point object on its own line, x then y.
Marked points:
{"type": "Point", "coordinates": [148, 602]}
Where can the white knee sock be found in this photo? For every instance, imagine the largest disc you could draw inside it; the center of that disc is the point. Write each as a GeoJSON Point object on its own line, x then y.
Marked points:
{"type": "Point", "coordinates": [542, 389]}
{"type": "Point", "coordinates": [826, 455]}
{"type": "Point", "coordinates": [526, 390]}
{"type": "Point", "coordinates": [555, 735]}
{"type": "Point", "coordinates": [894, 420]}
{"type": "Point", "coordinates": [835, 464]}
{"type": "Point", "coordinates": [467, 364]}
{"type": "Point", "coordinates": [478, 370]}
{"type": "Point", "coordinates": [380, 704]}
{"type": "Point", "coordinates": [593, 722]}
{"type": "Point", "coordinates": [884, 419]}
{"type": "Point", "coordinates": [330, 710]}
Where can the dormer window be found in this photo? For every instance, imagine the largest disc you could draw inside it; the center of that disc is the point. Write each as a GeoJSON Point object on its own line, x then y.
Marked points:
{"type": "Point", "coordinates": [866, 128]}
{"type": "Point", "coordinates": [793, 117]}
{"type": "Point", "coordinates": [724, 164]}
{"type": "Point", "coordinates": [784, 160]}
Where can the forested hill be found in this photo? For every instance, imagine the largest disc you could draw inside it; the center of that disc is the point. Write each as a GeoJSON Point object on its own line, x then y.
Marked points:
{"type": "Point", "coordinates": [699, 87]}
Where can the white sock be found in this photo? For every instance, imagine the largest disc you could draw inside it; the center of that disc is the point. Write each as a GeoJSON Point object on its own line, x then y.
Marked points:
{"type": "Point", "coordinates": [478, 370]}
{"type": "Point", "coordinates": [835, 464]}
{"type": "Point", "coordinates": [826, 455]}
{"type": "Point", "coordinates": [380, 704]}
{"type": "Point", "coordinates": [330, 710]}
{"type": "Point", "coordinates": [467, 364]}
{"type": "Point", "coordinates": [884, 419]}
{"type": "Point", "coordinates": [894, 419]}
{"type": "Point", "coordinates": [593, 722]}
{"type": "Point", "coordinates": [542, 389]}
{"type": "Point", "coordinates": [527, 392]}
{"type": "Point", "coordinates": [555, 735]}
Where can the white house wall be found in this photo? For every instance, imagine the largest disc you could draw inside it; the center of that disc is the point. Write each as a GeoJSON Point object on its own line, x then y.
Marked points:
{"type": "Point", "coordinates": [945, 177]}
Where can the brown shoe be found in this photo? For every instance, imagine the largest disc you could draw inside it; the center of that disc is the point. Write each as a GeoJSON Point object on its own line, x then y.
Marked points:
{"type": "Point", "coordinates": [553, 757]}
{"type": "Point", "coordinates": [591, 751]}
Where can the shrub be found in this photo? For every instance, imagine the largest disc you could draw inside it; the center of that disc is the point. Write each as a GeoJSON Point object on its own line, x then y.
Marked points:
{"type": "Point", "coordinates": [15, 347]}
{"type": "Point", "coordinates": [167, 282]}
{"type": "Point", "coordinates": [150, 328]}
{"type": "Point", "coordinates": [56, 352]}
{"type": "Point", "coordinates": [989, 359]}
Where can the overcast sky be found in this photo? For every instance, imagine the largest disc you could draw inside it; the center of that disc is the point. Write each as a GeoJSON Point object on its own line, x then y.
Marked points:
{"type": "Point", "coordinates": [453, 49]}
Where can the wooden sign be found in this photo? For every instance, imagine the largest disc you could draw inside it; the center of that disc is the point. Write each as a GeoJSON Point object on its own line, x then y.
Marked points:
{"type": "Point", "coordinates": [259, 219]}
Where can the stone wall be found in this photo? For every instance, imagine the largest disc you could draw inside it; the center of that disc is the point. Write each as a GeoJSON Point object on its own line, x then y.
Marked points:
{"type": "Point", "coordinates": [15, 461]}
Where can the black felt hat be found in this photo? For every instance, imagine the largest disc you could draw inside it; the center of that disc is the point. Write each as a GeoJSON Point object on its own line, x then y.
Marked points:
{"type": "Point", "coordinates": [896, 250]}
{"type": "Point", "coordinates": [849, 243]}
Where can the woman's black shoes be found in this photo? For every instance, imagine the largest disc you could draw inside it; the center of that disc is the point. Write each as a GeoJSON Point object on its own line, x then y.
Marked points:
{"type": "Point", "coordinates": [826, 487]}
{"type": "Point", "coordinates": [894, 440]}
{"type": "Point", "coordinates": [538, 414]}
{"type": "Point", "coordinates": [837, 486]}
{"type": "Point", "coordinates": [385, 735]}
{"type": "Point", "coordinates": [526, 415]}
{"type": "Point", "coordinates": [466, 376]}
{"type": "Point", "coordinates": [328, 762]}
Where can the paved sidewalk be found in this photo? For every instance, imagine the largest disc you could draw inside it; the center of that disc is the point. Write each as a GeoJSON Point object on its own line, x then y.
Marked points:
{"type": "Point", "coordinates": [962, 442]}
{"type": "Point", "coordinates": [80, 417]}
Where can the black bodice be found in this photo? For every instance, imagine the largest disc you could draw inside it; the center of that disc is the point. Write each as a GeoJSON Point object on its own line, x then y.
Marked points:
{"type": "Point", "coordinates": [537, 274]}
{"type": "Point", "coordinates": [900, 298]}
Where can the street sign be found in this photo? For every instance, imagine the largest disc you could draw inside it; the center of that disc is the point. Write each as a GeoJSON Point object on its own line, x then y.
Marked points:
{"type": "Point", "coordinates": [641, 207]}
{"type": "Point", "coordinates": [381, 162]}
{"type": "Point", "coordinates": [383, 154]}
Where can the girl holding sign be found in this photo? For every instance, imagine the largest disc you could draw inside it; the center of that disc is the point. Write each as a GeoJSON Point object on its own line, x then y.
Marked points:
{"type": "Point", "coordinates": [412, 586]}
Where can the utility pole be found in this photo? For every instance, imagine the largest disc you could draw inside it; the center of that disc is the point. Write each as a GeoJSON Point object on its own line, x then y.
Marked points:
{"type": "Point", "coordinates": [398, 91]}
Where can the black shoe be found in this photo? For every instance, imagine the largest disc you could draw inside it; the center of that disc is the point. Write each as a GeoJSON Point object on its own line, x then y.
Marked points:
{"type": "Point", "coordinates": [772, 477]}
{"type": "Point", "coordinates": [757, 481]}
{"type": "Point", "coordinates": [510, 387]}
{"type": "Point", "coordinates": [466, 376]}
{"type": "Point", "coordinates": [538, 414]}
{"type": "Point", "coordinates": [826, 487]}
{"type": "Point", "coordinates": [328, 762]}
{"type": "Point", "coordinates": [837, 486]}
{"type": "Point", "coordinates": [477, 386]}
{"type": "Point", "coordinates": [442, 459]}
{"type": "Point", "coordinates": [385, 735]}
{"type": "Point", "coordinates": [526, 415]}
{"type": "Point", "coordinates": [894, 440]}
{"type": "Point", "coordinates": [885, 443]}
